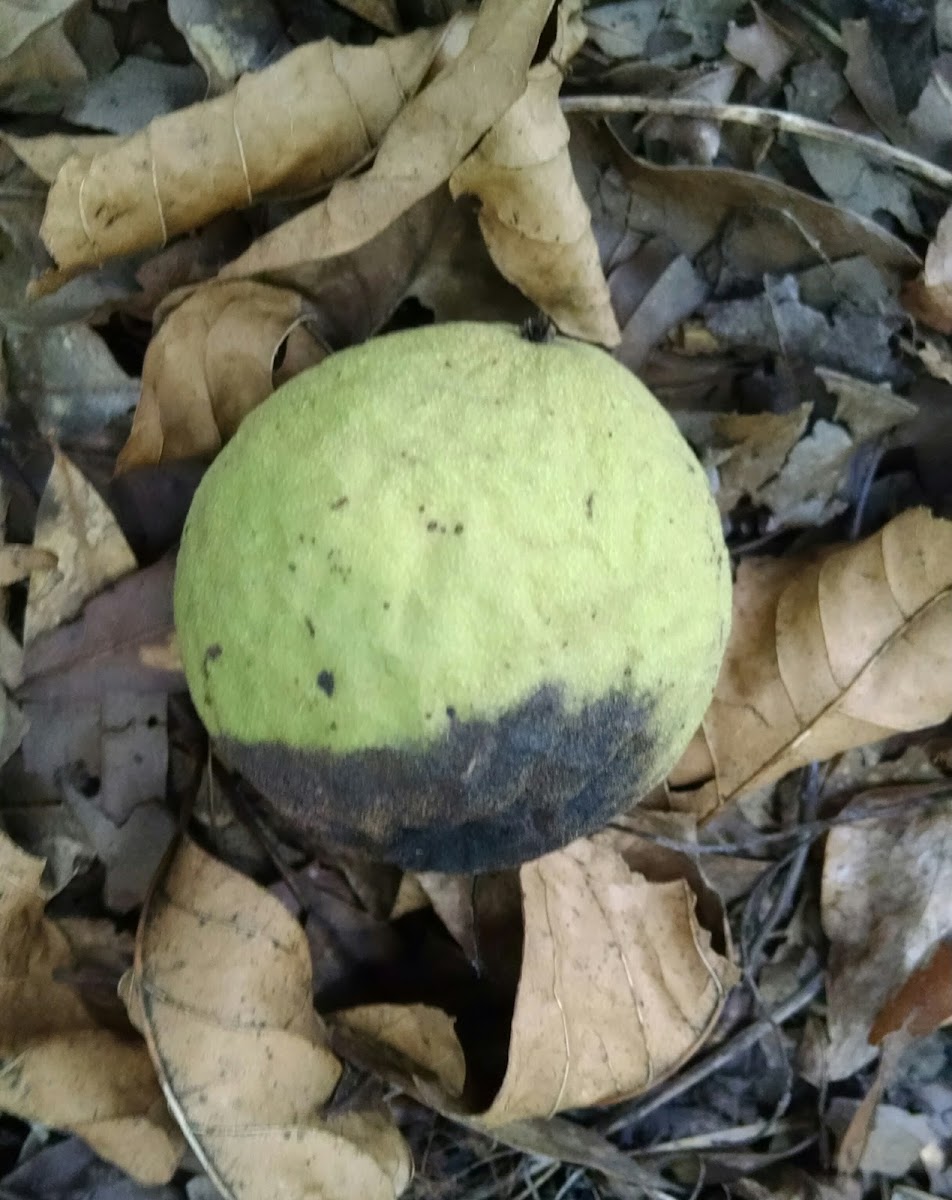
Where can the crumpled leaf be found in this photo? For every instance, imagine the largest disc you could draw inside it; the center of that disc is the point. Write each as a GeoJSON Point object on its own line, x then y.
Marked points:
{"type": "Point", "coordinates": [432, 134]}
{"type": "Point", "coordinates": [210, 363]}
{"type": "Point", "coordinates": [826, 654]}
{"type": "Point", "coordinates": [295, 125]}
{"type": "Point", "coordinates": [62, 1067]}
{"type": "Point", "coordinates": [534, 220]}
{"type": "Point", "coordinates": [886, 900]}
{"type": "Point", "coordinates": [770, 459]}
{"type": "Point", "coordinates": [618, 984]}
{"type": "Point", "coordinates": [222, 991]}
{"type": "Point", "coordinates": [930, 299]}
{"type": "Point", "coordinates": [923, 1002]}
{"type": "Point", "coordinates": [75, 525]}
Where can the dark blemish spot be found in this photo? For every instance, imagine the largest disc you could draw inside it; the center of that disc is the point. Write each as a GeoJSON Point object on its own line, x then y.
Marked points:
{"type": "Point", "coordinates": [421, 508]}
{"type": "Point", "coordinates": [333, 726]}
{"type": "Point", "coordinates": [301, 538]}
{"type": "Point", "coordinates": [442, 529]}
{"type": "Point", "coordinates": [310, 625]}
{"type": "Point", "coordinates": [627, 672]}
{"type": "Point", "coordinates": [590, 500]}
{"type": "Point", "coordinates": [565, 645]}
{"type": "Point", "coordinates": [429, 716]}
{"type": "Point", "coordinates": [137, 758]}
{"type": "Point", "coordinates": [325, 681]}
{"type": "Point", "coordinates": [386, 604]}
{"type": "Point", "coordinates": [152, 722]}
{"type": "Point", "coordinates": [339, 503]}
{"type": "Point", "coordinates": [508, 666]}
{"type": "Point", "coordinates": [432, 525]}
{"type": "Point", "coordinates": [458, 527]}
{"type": "Point", "coordinates": [213, 653]}
{"type": "Point", "coordinates": [451, 712]}
{"type": "Point", "coordinates": [292, 566]}
{"type": "Point", "coordinates": [610, 434]}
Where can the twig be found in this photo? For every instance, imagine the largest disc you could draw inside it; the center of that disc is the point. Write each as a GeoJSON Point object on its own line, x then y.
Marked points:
{"type": "Point", "coordinates": [639, 1108]}
{"type": "Point", "coordinates": [773, 119]}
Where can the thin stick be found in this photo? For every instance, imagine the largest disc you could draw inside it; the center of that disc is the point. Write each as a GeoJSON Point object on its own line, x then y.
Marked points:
{"type": "Point", "coordinates": [639, 1108]}
{"type": "Point", "coordinates": [774, 119]}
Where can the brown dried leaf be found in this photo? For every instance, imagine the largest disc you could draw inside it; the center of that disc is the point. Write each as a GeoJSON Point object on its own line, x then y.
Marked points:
{"type": "Point", "coordinates": [886, 901]}
{"type": "Point", "coordinates": [222, 991]}
{"type": "Point", "coordinates": [827, 654]}
{"type": "Point", "coordinates": [210, 363]}
{"type": "Point", "coordinates": [422, 1038]}
{"type": "Point", "coordinates": [70, 1072]}
{"type": "Point", "coordinates": [75, 525]}
{"type": "Point", "coordinates": [930, 299]}
{"type": "Point", "coordinates": [297, 125]}
{"type": "Point", "coordinates": [124, 641]}
{"type": "Point", "coordinates": [426, 142]}
{"type": "Point", "coordinates": [535, 222]}
{"type": "Point", "coordinates": [618, 984]}
{"type": "Point", "coordinates": [923, 1003]}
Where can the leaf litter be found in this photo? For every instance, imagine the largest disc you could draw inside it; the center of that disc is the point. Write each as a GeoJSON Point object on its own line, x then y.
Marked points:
{"type": "Point", "coordinates": [742, 985]}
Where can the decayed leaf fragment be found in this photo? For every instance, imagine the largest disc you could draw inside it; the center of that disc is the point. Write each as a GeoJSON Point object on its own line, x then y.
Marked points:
{"type": "Point", "coordinates": [222, 991]}
{"type": "Point", "coordinates": [309, 118]}
{"type": "Point", "coordinates": [886, 901]}
{"type": "Point", "coordinates": [432, 134]}
{"type": "Point", "coordinates": [534, 219]}
{"type": "Point", "coordinates": [74, 524]}
{"type": "Point", "coordinates": [210, 363]}
{"type": "Point", "coordinates": [618, 983]}
{"type": "Point", "coordinates": [60, 1066]}
{"type": "Point", "coordinates": [826, 654]}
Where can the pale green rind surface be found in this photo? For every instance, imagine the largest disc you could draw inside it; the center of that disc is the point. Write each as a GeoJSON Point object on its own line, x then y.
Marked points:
{"type": "Point", "coordinates": [575, 543]}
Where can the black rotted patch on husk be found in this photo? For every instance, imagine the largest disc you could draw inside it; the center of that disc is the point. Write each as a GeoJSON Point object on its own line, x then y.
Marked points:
{"type": "Point", "coordinates": [489, 794]}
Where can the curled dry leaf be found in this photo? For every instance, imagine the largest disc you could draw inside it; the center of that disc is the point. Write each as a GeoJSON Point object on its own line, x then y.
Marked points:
{"type": "Point", "coordinates": [295, 126]}
{"type": "Point", "coordinates": [61, 1067]}
{"type": "Point", "coordinates": [826, 654]}
{"type": "Point", "coordinates": [618, 984]}
{"type": "Point", "coordinates": [886, 901]}
{"type": "Point", "coordinates": [210, 363]}
{"type": "Point", "coordinates": [74, 524]}
{"type": "Point", "coordinates": [426, 142]}
{"type": "Point", "coordinates": [534, 219]}
{"type": "Point", "coordinates": [222, 991]}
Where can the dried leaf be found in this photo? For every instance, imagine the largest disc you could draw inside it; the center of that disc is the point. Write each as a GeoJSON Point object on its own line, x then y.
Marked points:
{"type": "Point", "coordinates": [70, 1072]}
{"type": "Point", "coordinates": [424, 1039]}
{"type": "Point", "coordinates": [124, 641]}
{"type": "Point", "coordinates": [618, 984]}
{"type": "Point", "coordinates": [827, 654]}
{"type": "Point", "coordinates": [886, 901]}
{"type": "Point", "coordinates": [296, 125]}
{"type": "Point", "coordinates": [935, 305]}
{"type": "Point", "coordinates": [210, 363]}
{"type": "Point", "coordinates": [535, 222]}
{"type": "Point", "coordinates": [777, 228]}
{"type": "Point", "coordinates": [426, 142]}
{"type": "Point", "coordinates": [74, 524]}
{"type": "Point", "coordinates": [20, 562]}
{"type": "Point", "coordinates": [923, 1003]}
{"type": "Point", "coordinates": [222, 991]}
